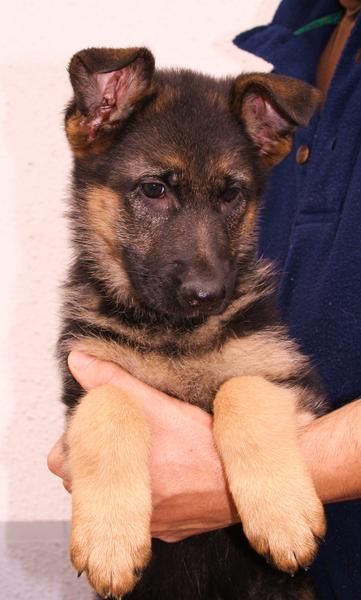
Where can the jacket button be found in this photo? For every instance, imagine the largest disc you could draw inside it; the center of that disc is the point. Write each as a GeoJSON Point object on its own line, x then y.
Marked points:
{"type": "Point", "coordinates": [303, 154]}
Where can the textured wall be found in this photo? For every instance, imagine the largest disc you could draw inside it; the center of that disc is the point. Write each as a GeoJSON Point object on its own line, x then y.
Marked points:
{"type": "Point", "coordinates": [37, 38]}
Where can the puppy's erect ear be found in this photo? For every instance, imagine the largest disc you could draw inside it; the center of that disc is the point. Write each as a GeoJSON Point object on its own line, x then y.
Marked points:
{"type": "Point", "coordinates": [271, 108]}
{"type": "Point", "coordinates": [107, 84]}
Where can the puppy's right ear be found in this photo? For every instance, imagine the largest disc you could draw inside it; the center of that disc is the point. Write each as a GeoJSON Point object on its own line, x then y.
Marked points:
{"type": "Point", "coordinates": [108, 84]}
{"type": "Point", "coordinates": [272, 107]}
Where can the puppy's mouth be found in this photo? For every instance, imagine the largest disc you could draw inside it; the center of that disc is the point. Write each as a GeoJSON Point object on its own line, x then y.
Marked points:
{"type": "Point", "coordinates": [178, 315]}
{"type": "Point", "coordinates": [177, 306]}
{"type": "Point", "coordinates": [202, 306]}
{"type": "Point", "coordinates": [179, 296]}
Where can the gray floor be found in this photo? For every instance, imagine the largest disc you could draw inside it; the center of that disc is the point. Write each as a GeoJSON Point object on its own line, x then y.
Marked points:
{"type": "Point", "coordinates": [34, 563]}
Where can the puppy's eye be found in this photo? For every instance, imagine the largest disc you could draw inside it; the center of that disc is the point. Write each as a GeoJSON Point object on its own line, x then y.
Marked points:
{"type": "Point", "coordinates": [230, 194]}
{"type": "Point", "coordinates": [153, 189]}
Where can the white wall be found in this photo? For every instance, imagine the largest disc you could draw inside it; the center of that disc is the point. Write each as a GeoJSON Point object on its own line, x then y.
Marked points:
{"type": "Point", "coordinates": [37, 39]}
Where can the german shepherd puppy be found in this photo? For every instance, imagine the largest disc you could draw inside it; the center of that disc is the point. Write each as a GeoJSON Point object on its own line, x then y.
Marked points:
{"type": "Point", "coordinates": [169, 168]}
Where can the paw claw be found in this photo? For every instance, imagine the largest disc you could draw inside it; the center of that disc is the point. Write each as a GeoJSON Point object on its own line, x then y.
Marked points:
{"type": "Point", "coordinates": [268, 558]}
{"type": "Point", "coordinates": [138, 572]}
{"type": "Point", "coordinates": [319, 538]}
{"type": "Point", "coordinates": [110, 570]}
{"type": "Point", "coordinates": [292, 572]}
{"type": "Point", "coordinates": [286, 540]}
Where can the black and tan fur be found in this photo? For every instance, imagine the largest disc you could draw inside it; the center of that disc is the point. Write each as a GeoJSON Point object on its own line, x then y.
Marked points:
{"type": "Point", "coordinates": [169, 168]}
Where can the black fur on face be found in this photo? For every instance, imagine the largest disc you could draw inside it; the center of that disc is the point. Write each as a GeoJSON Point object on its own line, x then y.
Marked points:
{"type": "Point", "coordinates": [187, 178]}
{"type": "Point", "coordinates": [184, 171]}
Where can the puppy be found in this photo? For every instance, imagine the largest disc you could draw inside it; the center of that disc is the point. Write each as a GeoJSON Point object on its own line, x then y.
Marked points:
{"type": "Point", "coordinates": [169, 168]}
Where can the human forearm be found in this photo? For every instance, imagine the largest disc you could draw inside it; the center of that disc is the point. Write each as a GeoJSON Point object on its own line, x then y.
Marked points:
{"type": "Point", "coordinates": [331, 446]}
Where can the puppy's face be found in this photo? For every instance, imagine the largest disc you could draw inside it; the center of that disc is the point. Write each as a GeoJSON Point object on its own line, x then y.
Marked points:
{"type": "Point", "coordinates": [169, 168]}
{"type": "Point", "coordinates": [188, 182]}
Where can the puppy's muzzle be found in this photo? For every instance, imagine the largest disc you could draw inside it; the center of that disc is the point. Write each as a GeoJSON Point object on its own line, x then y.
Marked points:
{"type": "Point", "coordinates": [202, 294]}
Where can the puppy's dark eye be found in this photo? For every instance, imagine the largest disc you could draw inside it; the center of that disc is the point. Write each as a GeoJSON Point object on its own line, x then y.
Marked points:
{"type": "Point", "coordinates": [153, 189]}
{"type": "Point", "coordinates": [230, 194]}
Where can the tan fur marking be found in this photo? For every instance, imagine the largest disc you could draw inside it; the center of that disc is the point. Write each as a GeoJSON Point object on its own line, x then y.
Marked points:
{"type": "Point", "coordinates": [108, 451]}
{"type": "Point", "coordinates": [256, 434]}
{"type": "Point", "coordinates": [283, 147]}
{"type": "Point", "coordinates": [103, 215]}
{"type": "Point", "coordinates": [103, 209]}
{"type": "Point", "coordinates": [266, 353]}
{"type": "Point", "coordinates": [77, 134]}
{"type": "Point", "coordinates": [197, 379]}
{"type": "Point", "coordinates": [249, 221]}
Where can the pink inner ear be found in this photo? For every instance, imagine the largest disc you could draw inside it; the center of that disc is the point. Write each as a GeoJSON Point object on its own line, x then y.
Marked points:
{"type": "Point", "coordinates": [255, 104]}
{"type": "Point", "coordinates": [110, 86]}
{"type": "Point", "coordinates": [116, 93]}
{"type": "Point", "coordinates": [264, 124]}
{"type": "Point", "coordinates": [103, 80]}
{"type": "Point", "coordinates": [118, 89]}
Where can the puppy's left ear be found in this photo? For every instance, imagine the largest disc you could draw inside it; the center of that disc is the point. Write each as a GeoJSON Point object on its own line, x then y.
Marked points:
{"type": "Point", "coordinates": [271, 108]}
{"type": "Point", "coordinates": [108, 85]}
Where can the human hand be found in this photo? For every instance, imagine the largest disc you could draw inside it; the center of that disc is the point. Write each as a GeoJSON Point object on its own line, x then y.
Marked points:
{"type": "Point", "coordinates": [57, 463]}
{"type": "Point", "coordinates": [189, 489]}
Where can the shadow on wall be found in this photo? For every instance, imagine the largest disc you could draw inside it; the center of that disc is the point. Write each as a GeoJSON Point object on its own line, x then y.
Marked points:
{"type": "Point", "coordinates": [34, 555]}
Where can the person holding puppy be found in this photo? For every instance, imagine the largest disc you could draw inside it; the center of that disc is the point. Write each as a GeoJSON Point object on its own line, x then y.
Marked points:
{"type": "Point", "coordinates": [310, 228]}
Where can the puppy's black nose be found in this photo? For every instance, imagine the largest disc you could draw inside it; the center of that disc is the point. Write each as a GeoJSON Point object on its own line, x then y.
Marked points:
{"type": "Point", "coordinates": [204, 295]}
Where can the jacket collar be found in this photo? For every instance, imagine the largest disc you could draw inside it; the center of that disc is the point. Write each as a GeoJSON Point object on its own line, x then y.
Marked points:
{"type": "Point", "coordinates": [293, 42]}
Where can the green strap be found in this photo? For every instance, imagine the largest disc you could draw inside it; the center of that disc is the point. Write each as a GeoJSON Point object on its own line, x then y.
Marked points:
{"type": "Point", "coordinates": [328, 20]}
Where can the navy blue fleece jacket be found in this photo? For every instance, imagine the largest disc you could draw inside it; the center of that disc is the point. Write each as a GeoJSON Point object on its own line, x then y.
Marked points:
{"type": "Point", "coordinates": [311, 228]}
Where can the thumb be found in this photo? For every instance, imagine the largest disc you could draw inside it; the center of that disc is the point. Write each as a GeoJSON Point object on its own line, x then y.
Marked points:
{"type": "Point", "coordinates": [159, 408]}
{"type": "Point", "coordinates": [92, 372]}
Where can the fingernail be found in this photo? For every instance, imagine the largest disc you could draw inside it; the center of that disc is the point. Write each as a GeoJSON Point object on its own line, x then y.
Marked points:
{"type": "Point", "coordinates": [78, 361]}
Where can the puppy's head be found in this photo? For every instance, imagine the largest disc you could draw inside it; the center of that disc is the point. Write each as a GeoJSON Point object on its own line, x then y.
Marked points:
{"type": "Point", "coordinates": [169, 169]}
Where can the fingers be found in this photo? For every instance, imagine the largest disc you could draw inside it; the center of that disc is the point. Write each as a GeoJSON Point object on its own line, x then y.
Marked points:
{"type": "Point", "coordinates": [67, 485]}
{"type": "Point", "coordinates": [56, 459]}
{"type": "Point", "coordinates": [56, 463]}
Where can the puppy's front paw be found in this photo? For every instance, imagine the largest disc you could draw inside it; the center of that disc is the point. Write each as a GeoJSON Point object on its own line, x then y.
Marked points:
{"type": "Point", "coordinates": [108, 440]}
{"type": "Point", "coordinates": [255, 427]}
{"type": "Point", "coordinates": [112, 553]}
{"type": "Point", "coordinates": [285, 526]}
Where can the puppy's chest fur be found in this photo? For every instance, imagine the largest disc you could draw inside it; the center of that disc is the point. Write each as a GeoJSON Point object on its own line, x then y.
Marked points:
{"type": "Point", "coordinates": [188, 364]}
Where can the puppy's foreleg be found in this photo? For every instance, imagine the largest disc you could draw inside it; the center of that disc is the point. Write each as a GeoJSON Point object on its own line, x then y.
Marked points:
{"type": "Point", "coordinates": [107, 448]}
{"type": "Point", "coordinates": [255, 427]}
